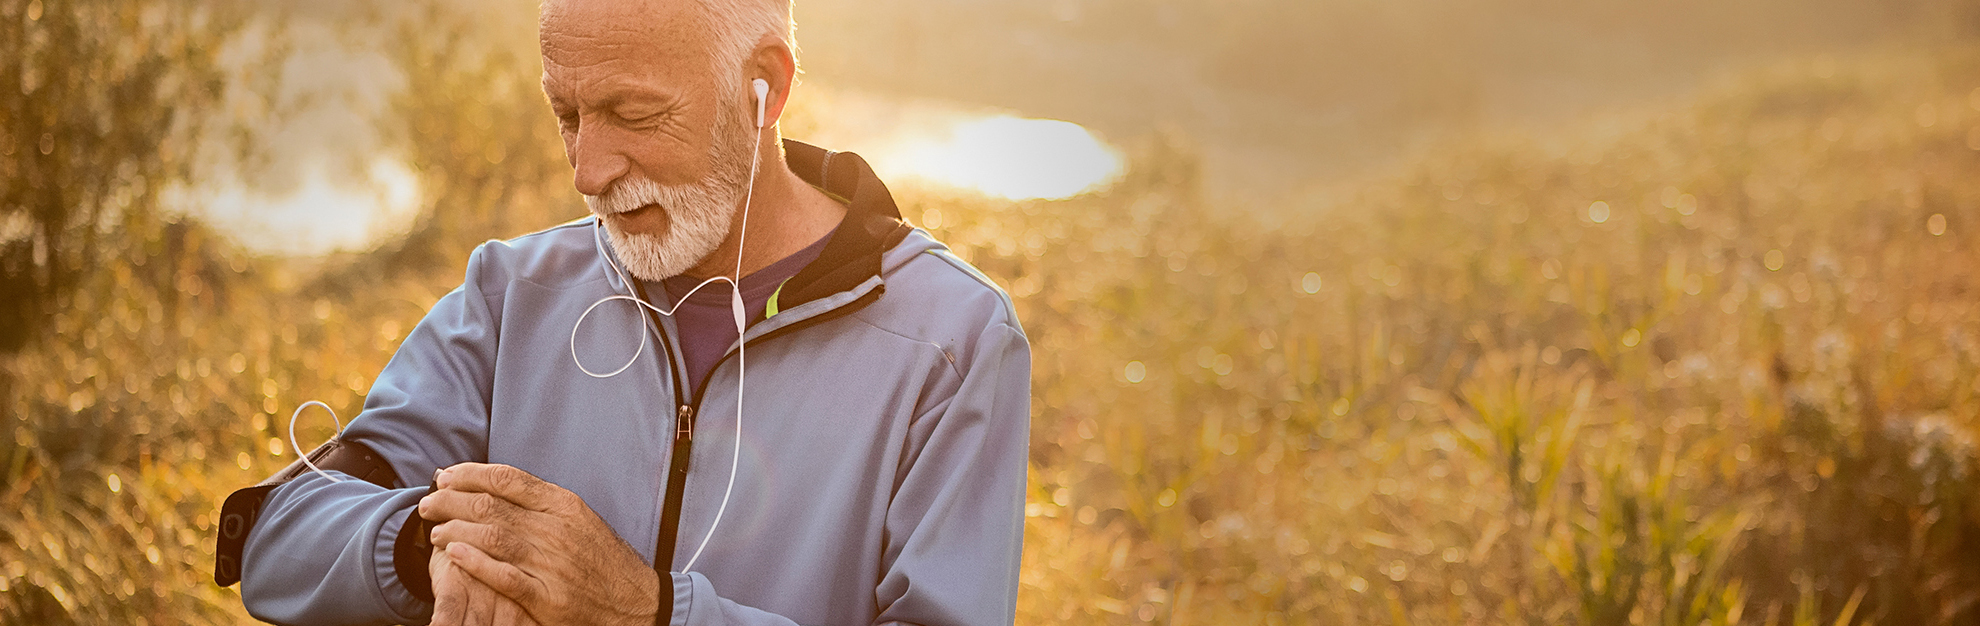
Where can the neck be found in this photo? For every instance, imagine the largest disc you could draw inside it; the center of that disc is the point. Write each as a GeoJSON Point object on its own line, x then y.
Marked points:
{"type": "Point", "coordinates": [785, 215]}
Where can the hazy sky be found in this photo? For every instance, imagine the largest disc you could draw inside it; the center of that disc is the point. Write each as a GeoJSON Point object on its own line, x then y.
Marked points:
{"type": "Point", "coordinates": [1275, 93]}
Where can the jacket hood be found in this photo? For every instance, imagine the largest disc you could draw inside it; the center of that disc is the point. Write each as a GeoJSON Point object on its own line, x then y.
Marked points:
{"type": "Point", "coordinates": [872, 226]}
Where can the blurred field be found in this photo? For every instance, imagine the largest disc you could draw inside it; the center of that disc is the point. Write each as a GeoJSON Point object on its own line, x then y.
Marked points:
{"type": "Point", "coordinates": [1711, 361]}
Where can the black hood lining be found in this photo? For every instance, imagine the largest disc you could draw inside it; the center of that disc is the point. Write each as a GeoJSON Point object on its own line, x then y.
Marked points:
{"type": "Point", "coordinates": [872, 224]}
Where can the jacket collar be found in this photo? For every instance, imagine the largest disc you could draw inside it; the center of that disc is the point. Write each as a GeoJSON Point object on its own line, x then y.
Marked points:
{"type": "Point", "coordinates": [872, 224]}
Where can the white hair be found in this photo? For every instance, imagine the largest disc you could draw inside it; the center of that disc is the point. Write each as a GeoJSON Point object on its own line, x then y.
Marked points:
{"type": "Point", "coordinates": [738, 25]}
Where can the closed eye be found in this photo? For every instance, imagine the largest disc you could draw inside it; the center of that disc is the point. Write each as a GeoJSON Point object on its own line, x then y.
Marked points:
{"type": "Point", "coordinates": [641, 116]}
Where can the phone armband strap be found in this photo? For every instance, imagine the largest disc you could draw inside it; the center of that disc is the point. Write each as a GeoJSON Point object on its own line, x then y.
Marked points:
{"type": "Point", "coordinates": [241, 509]}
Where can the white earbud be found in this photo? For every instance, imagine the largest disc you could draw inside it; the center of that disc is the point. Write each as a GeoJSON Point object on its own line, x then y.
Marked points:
{"type": "Point", "coordinates": [762, 99]}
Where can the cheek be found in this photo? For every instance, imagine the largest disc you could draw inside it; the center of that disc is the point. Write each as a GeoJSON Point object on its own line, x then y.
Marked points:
{"type": "Point", "coordinates": [665, 160]}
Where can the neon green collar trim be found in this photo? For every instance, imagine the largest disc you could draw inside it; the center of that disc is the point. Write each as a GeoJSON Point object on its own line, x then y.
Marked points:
{"type": "Point", "coordinates": [770, 308]}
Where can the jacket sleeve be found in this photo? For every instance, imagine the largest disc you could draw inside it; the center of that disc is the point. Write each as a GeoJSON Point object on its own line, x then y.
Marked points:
{"type": "Point", "coordinates": [955, 527]}
{"type": "Point", "coordinates": [321, 552]}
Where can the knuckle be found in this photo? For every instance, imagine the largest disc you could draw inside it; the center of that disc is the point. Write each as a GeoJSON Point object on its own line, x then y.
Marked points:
{"type": "Point", "coordinates": [503, 477]}
{"type": "Point", "coordinates": [483, 506]}
{"type": "Point", "coordinates": [505, 543]}
{"type": "Point", "coordinates": [490, 536]}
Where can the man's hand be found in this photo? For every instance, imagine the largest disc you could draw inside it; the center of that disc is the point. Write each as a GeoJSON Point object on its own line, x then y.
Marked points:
{"type": "Point", "coordinates": [460, 600]}
{"type": "Point", "coordinates": [539, 545]}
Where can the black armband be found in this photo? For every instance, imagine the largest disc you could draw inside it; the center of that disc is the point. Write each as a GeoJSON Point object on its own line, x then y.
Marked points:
{"type": "Point", "coordinates": [243, 508]}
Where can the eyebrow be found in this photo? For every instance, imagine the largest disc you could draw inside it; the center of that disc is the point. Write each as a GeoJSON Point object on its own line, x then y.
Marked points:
{"type": "Point", "coordinates": [614, 92]}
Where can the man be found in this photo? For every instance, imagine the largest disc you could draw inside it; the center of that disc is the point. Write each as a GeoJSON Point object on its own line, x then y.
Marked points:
{"type": "Point", "coordinates": [869, 469]}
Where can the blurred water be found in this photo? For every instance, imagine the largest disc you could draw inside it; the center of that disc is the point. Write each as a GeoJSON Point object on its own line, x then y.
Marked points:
{"type": "Point", "coordinates": [1007, 156]}
{"type": "Point", "coordinates": [996, 152]}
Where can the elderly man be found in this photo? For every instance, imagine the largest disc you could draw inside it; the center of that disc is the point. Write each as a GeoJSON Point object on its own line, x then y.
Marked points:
{"type": "Point", "coordinates": [861, 439]}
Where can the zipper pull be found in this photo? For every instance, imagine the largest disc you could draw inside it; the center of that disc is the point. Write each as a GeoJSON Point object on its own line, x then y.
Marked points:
{"type": "Point", "coordinates": [684, 423]}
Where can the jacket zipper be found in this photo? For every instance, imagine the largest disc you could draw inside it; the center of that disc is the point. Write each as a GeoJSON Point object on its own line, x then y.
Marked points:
{"type": "Point", "coordinates": [663, 556]}
{"type": "Point", "coordinates": [684, 415]}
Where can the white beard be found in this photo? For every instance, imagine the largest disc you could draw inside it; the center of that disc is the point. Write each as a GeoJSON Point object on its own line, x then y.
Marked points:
{"type": "Point", "coordinates": [699, 214]}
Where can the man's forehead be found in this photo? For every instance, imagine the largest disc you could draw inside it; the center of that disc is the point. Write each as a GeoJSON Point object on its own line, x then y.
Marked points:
{"type": "Point", "coordinates": [587, 23]}
{"type": "Point", "coordinates": [623, 10]}
{"type": "Point", "coordinates": [578, 33]}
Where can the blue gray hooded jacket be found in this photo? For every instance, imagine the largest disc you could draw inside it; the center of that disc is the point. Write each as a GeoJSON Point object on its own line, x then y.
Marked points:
{"type": "Point", "coordinates": [883, 459]}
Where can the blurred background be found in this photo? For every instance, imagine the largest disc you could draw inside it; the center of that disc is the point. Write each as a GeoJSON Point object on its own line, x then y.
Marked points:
{"type": "Point", "coordinates": [1342, 311]}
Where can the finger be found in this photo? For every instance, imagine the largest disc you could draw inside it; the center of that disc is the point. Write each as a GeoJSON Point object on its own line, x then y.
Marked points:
{"type": "Point", "coordinates": [497, 541]}
{"type": "Point", "coordinates": [508, 483]}
{"type": "Point", "coordinates": [450, 504]}
{"type": "Point", "coordinates": [504, 578]}
{"type": "Point", "coordinates": [449, 597]}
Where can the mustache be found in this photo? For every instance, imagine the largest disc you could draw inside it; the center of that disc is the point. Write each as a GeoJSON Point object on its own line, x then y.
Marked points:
{"type": "Point", "coordinates": [630, 194]}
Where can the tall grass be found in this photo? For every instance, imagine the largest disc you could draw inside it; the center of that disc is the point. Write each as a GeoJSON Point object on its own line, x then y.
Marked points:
{"type": "Point", "coordinates": [1710, 365]}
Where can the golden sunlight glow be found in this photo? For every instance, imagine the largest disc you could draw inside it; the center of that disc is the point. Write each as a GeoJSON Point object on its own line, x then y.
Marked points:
{"type": "Point", "coordinates": [1007, 156]}
{"type": "Point", "coordinates": [322, 214]}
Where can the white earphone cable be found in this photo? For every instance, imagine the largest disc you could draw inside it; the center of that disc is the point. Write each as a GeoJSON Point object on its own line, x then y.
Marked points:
{"type": "Point", "coordinates": [292, 437]}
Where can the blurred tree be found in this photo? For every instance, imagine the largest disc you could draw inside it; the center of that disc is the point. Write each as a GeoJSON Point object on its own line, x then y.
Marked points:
{"type": "Point", "coordinates": [101, 108]}
{"type": "Point", "coordinates": [472, 120]}
{"type": "Point", "coordinates": [108, 109]}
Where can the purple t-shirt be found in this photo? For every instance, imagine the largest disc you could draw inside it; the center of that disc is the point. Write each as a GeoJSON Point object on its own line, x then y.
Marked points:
{"type": "Point", "coordinates": [707, 327]}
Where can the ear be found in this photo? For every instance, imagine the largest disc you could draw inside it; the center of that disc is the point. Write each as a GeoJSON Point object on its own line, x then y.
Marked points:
{"type": "Point", "coordinates": [773, 61]}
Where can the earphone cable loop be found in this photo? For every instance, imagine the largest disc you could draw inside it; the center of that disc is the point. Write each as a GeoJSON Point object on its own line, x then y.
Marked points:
{"type": "Point", "coordinates": [580, 323]}
{"type": "Point", "coordinates": [298, 448]}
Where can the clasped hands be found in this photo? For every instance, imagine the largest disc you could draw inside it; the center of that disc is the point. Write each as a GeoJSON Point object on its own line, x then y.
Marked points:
{"type": "Point", "coordinates": [511, 548]}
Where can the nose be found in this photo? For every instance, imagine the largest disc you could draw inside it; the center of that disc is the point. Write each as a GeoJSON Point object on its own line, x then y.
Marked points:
{"type": "Point", "coordinates": [597, 161]}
